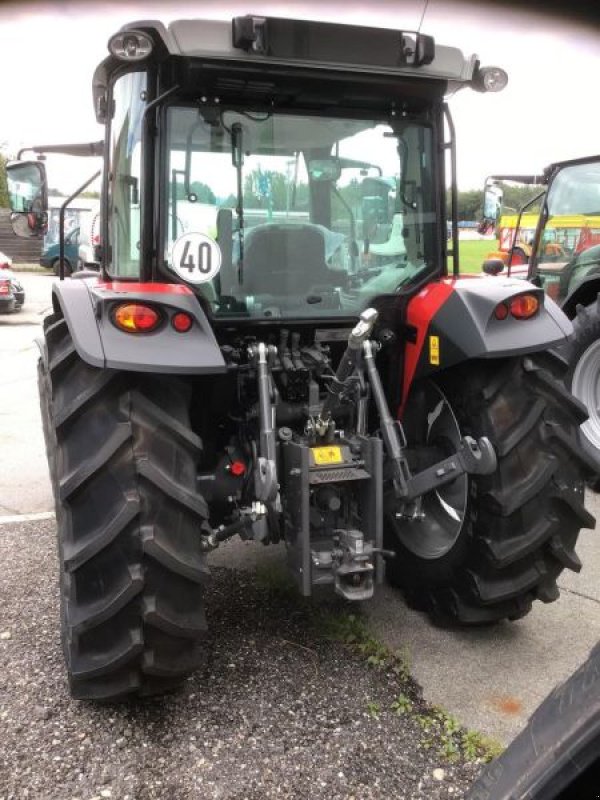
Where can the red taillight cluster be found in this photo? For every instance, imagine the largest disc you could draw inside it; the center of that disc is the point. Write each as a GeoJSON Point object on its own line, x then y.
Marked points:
{"type": "Point", "coordinates": [142, 318]}
{"type": "Point", "coordinates": [136, 318]}
{"type": "Point", "coordinates": [523, 306]}
{"type": "Point", "coordinates": [4, 287]}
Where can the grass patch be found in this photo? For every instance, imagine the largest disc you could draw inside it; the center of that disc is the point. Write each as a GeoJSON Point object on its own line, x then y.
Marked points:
{"type": "Point", "coordinates": [445, 734]}
{"type": "Point", "coordinates": [440, 731]}
{"type": "Point", "coordinates": [277, 581]}
{"type": "Point", "coordinates": [472, 253]}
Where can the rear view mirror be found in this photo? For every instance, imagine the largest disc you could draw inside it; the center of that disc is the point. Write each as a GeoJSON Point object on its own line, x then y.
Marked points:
{"type": "Point", "coordinates": [28, 198]}
{"type": "Point", "coordinates": [33, 225]}
{"type": "Point", "coordinates": [492, 202]}
{"type": "Point", "coordinates": [27, 188]}
{"type": "Point", "coordinates": [324, 169]}
{"type": "Point", "coordinates": [493, 266]}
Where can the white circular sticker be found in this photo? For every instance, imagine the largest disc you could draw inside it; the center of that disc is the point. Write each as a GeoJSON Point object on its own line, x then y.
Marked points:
{"type": "Point", "coordinates": [196, 257]}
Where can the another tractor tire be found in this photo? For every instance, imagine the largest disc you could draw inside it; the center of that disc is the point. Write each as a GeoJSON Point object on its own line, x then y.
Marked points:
{"type": "Point", "coordinates": [123, 462]}
{"type": "Point", "coordinates": [556, 756]}
{"type": "Point", "coordinates": [583, 378]}
{"type": "Point", "coordinates": [488, 546]}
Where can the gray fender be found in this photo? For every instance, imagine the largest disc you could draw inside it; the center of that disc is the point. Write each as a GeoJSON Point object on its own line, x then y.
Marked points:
{"type": "Point", "coordinates": [585, 293]}
{"type": "Point", "coordinates": [466, 327]}
{"type": "Point", "coordinates": [87, 304]}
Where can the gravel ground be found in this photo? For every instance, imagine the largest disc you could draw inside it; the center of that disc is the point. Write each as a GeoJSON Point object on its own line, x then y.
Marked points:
{"type": "Point", "coordinates": [280, 711]}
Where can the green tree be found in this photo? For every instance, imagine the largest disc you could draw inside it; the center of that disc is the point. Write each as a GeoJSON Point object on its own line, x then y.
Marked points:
{"type": "Point", "coordinates": [3, 185]}
{"type": "Point", "coordinates": [202, 191]}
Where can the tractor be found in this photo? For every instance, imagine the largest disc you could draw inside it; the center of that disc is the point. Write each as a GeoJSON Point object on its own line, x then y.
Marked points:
{"type": "Point", "coordinates": [273, 348]}
{"type": "Point", "coordinates": [562, 255]}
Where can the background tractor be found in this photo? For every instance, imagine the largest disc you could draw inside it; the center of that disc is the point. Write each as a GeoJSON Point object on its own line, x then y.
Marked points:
{"type": "Point", "coordinates": [559, 249]}
{"type": "Point", "coordinates": [245, 364]}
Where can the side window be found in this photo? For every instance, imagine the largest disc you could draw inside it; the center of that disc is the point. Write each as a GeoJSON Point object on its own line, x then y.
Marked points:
{"type": "Point", "coordinates": [125, 175]}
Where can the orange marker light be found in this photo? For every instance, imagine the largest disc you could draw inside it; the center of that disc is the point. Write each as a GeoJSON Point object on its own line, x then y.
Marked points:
{"type": "Point", "coordinates": [136, 318]}
{"type": "Point", "coordinates": [181, 321]}
{"type": "Point", "coordinates": [524, 306]}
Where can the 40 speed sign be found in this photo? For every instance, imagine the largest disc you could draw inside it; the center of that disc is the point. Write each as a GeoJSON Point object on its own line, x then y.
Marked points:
{"type": "Point", "coordinates": [196, 258]}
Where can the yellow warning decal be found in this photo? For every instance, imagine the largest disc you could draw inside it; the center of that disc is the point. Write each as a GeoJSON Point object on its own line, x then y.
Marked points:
{"type": "Point", "coordinates": [434, 350]}
{"type": "Point", "coordinates": [327, 455]}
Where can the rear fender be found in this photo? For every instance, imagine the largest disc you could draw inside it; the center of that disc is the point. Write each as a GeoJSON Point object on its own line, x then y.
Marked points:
{"type": "Point", "coordinates": [86, 305]}
{"type": "Point", "coordinates": [453, 321]}
{"type": "Point", "coordinates": [584, 294]}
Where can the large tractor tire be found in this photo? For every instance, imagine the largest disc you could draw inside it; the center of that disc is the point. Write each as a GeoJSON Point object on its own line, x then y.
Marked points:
{"type": "Point", "coordinates": [123, 463]}
{"type": "Point", "coordinates": [556, 757]}
{"type": "Point", "coordinates": [583, 377]}
{"type": "Point", "coordinates": [486, 547]}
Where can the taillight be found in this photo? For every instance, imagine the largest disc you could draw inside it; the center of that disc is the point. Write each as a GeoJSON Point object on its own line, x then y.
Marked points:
{"type": "Point", "coordinates": [523, 306]}
{"type": "Point", "coordinates": [181, 321]}
{"type": "Point", "coordinates": [4, 287]}
{"type": "Point", "coordinates": [237, 468]}
{"type": "Point", "coordinates": [136, 318]}
{"type": "Point", "coordinates": [501, 311]}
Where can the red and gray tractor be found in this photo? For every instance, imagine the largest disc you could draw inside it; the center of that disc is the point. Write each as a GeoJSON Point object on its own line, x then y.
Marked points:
{"type": "Point", "coordinates": [273, 348]}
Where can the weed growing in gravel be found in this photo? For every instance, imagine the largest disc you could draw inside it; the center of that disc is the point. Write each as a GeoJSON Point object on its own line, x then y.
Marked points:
{"type": "Point", "coordinates": [352, 630]}
{"type": "Point", "coordinates": [440, 730]}
{"type": "Point", "coordinates": [476, 745]}
{"type": "Point", "coordinates": [401, 705]}
{"type": "Point", "coordinates": [374, 709]}
{"type": "Point", "coordinates": [277, 581]}
{"type": "Point", "coordinates": [445, 733]}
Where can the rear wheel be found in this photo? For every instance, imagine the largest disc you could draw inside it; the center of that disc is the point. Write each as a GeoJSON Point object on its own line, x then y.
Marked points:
{"type": "Point", "coordinates": [123, 462]}
{"type": "Point", "coordinates": [487, 546]}
{"type": "Point", "coordinates": [56, 266]}
{"type": "Point", "coordinates": [583, 354]}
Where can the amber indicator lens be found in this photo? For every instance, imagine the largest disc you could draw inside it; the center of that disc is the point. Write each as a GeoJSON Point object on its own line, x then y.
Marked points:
{"type": "Point", "coordinates": [136, 318]}
{"type": "Point", "coordinates": [524, 306]}
{"type": "Point", "coordinates": [182, 322]}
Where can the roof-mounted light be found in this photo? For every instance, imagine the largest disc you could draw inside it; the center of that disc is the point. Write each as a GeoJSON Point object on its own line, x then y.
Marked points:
{"type": "Point", "coordinates": [490, 79]}
{"type": "Point", "coordinates": [130, 45]}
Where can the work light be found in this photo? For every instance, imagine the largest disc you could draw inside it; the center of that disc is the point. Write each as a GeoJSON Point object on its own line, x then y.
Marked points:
{"type": "Point", "coordinates": [489, 79]}
{"type": "Point", "coordinates": [130, 45]}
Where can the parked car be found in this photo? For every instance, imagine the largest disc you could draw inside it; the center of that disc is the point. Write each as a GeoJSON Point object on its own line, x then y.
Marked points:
{"type": "Point", "coordinates": [51, 255]}
{"type": "Point", "coordinates": [12, 294]}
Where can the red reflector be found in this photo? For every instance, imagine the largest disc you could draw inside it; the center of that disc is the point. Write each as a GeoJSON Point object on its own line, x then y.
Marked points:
{"type": "Point", "coordinates": [501, 311]}
{"type": "Point", "coordinates": [237, 468]}
{"type": "Point", "coordinates": [136, 318]}
{"type": "Point", "coordinates": [524, 306]}
{"type": "Point", "coordinates": [181, 321]}
{"type": "Point", "coordinates": [4, 287]}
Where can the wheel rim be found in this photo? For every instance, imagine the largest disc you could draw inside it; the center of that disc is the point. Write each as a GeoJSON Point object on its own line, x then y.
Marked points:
{"type": "Point", "coordinates": [586, 387]}
{"type": "Point", "coordinates": [445, 509]}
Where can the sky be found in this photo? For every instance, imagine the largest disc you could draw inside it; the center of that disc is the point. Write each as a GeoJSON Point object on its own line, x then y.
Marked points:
{"type": "Point", "coordinates": [548, 112]}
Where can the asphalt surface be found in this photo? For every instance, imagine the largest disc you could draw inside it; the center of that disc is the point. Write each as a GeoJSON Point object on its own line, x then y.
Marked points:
{"type": "Point", "coordinates": [490, 679]}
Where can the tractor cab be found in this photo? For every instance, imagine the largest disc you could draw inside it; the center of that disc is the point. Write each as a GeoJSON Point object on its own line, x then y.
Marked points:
{"type": "Point", "coordinates": [566, 250]}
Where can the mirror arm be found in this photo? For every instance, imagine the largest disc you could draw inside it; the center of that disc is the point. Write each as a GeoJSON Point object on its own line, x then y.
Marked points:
{"type": "Point", "coordinates": [61, 222]}
{"type": "Point", "coordinates": [86, 149]}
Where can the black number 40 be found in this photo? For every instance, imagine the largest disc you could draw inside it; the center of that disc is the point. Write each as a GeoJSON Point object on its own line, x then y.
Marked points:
{"type": "Point", "coordinates": [204, 258]}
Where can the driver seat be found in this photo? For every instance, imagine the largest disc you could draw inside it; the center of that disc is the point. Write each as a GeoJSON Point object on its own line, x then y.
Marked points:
{"type": "Point", "coordinates": [285, 259]}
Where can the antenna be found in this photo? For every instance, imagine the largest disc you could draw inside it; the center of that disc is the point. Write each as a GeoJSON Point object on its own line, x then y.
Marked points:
{"type": "Point", "coordinates": [423, 15]}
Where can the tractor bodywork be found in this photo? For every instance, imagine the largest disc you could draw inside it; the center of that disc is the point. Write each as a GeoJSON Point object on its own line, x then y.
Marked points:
{"type": "Point", "coordinates": [273, 347]}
